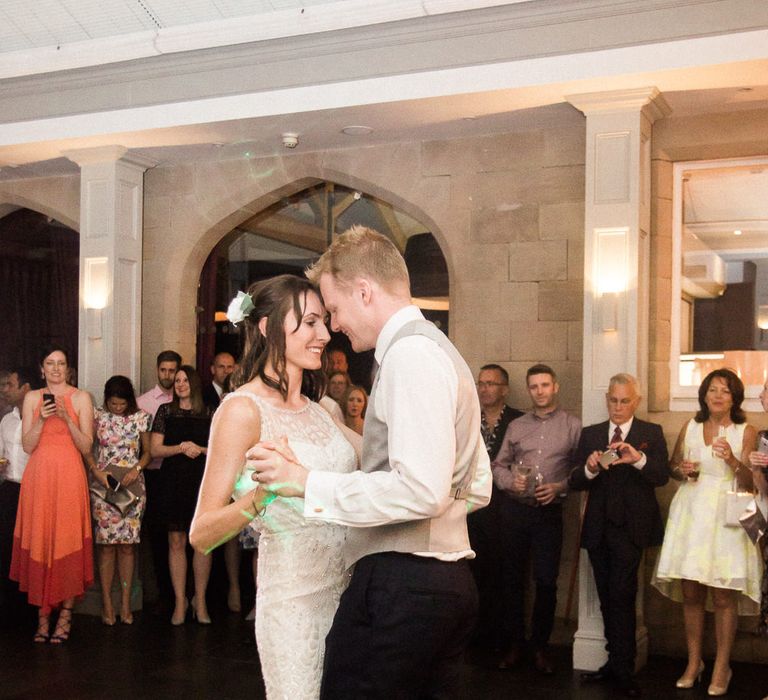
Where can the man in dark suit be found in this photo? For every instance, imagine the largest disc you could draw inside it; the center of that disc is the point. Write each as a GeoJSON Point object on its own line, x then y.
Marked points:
{"type": "Point", "coordinates": [622, 517]}
{"type": "Point", "coordinates": [222, 366]}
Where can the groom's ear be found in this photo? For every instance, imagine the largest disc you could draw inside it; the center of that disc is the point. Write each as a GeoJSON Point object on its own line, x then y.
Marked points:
{"type": "Point", "coordinates": [364, 290]}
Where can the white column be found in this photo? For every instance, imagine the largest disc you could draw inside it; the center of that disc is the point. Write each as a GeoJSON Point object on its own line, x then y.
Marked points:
{"type": "Point", "coordinates": [616, 252]}
{"type": "Point", "coordinates": [111, 214]}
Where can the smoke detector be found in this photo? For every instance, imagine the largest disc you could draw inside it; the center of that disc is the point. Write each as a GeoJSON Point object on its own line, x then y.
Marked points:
{"type": "Point", "coordinates": [290, 140]}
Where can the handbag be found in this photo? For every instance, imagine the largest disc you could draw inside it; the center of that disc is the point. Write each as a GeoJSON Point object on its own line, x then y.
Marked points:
{"type": "Point", "coordinates": [736, 503]}
{"type": "Point", "coordinates": [123, 497]}
{"type": "Point", "coordinates": [753, 521]}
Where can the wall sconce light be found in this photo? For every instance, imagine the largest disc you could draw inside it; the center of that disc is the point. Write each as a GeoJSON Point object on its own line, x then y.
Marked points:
{"type": "Point", "coordinates": [762, 320]}
{"type": "Point", "coordinates": [611, 276]}
{"type": "Point", "coordinates": [95, 295]}
{"type": "Point", "coordinates": [609, 311]}
{"type": "Point", "coordinates": [93, 323]}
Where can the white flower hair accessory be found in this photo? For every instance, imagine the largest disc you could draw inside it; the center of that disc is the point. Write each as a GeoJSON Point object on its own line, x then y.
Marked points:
{"type": "Point", "coordinates": [239, 308]}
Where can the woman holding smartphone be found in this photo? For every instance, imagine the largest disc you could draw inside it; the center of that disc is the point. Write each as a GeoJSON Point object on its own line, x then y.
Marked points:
{"type": "Point", "coordinates": [52, 543]}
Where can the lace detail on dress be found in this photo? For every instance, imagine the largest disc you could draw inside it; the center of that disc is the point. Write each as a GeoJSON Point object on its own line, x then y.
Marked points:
{"type": "Point", "coordinates": [301, 568]}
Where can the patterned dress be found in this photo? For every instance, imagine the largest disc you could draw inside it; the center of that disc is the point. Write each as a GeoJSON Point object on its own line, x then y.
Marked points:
{"type": "Point", "coordinates": [301, 568]}
{"type": "Point", "coordinates": [698, 545]}
{"type": "Point", "coordinates": [118, 439]}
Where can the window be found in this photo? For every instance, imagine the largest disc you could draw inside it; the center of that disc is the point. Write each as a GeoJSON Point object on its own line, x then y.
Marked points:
{"type": "Point", "coordinates": [719, 276]}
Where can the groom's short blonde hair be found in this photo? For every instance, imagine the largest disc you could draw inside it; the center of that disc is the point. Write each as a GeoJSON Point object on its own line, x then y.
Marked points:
{"type": "Point", "coordinates": [362, 252]}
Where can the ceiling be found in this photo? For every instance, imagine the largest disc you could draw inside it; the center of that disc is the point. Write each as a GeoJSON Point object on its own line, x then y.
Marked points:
{"type": "Point", "coordinates": [29, 29]}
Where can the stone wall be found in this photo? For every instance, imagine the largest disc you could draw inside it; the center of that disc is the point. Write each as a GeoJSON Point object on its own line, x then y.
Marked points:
{"type": "Point", "coordinates": [506, 209]}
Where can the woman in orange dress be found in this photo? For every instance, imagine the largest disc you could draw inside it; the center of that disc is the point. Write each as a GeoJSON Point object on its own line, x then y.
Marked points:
{"type": "Point", "coordinates": [52, 542]}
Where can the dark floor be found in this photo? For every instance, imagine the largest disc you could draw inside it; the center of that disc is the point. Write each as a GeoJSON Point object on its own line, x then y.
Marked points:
{"type": "Point", "coordinates": [152, 659]}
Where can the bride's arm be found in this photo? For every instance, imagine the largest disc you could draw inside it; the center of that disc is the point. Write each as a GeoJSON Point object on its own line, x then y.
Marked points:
{"type": "Point", "coordinates": [236, 427]}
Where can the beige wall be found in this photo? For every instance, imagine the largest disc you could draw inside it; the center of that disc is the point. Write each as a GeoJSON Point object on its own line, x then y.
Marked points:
{"type": "Point", "coordinates": [701, 137]}
{"type": "Point", "coordinates": [507, 211]}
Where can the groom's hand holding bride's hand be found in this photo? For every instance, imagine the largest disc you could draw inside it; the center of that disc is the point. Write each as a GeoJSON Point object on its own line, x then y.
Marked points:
{"type": "Point", "coordinates": [276, 468]}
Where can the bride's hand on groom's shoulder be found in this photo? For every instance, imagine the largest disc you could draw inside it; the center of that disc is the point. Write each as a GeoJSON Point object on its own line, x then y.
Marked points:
{"type": "Point", "coordinates": [276, 468]}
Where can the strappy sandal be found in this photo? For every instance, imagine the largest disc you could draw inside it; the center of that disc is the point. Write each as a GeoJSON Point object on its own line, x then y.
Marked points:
{"type": "Point", "coordinates": [43, 625]}
{"type": "Point", "coordinates": [63, 627]}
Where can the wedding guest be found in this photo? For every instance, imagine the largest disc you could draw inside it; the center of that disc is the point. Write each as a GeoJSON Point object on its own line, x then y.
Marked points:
{"type": "Point", "coordinates": [154, 530]}
{"type": "Point", "coordinates": [758, 461]}
{"type": "Point", "coordinates": [542, 443]}
{"type": "Point", "coordinates": [222, 367]}
{"type": "Point", "coordinates": [354, 404]}
{"type": "Point", "coordinates": [122, 439]}
{"type": "Point", "coordinates": [705, 563]}
{"type": "Point", "coordinates": [620, 462]}
{"type": "Point", "coordinates": [338, 383]}
{"type": "Point", "coordinates": [180, 437]}
{"type": "Point", "coordinates": [485, 534]}
{"type": "Point", "coordinates": [52, 544]}
{"type": "Point", "coordinates": [337, 361]}
{"type": "Point", "coordinates": [13, 461]}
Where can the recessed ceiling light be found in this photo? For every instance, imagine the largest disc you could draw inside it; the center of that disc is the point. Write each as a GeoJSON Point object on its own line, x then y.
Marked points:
{"type": "Point", "coordinates": [356, 130]}
{"type": "Point", "coordinates": [737, 232]}
{"type": "Point", "coordinates": [745, 89]}
{"type": "Point", "coordinates": [470, 118]}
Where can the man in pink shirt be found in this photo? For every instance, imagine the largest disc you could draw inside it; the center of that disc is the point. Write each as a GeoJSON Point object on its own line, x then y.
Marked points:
{"type": "Point", "coordinates": [168, 362]}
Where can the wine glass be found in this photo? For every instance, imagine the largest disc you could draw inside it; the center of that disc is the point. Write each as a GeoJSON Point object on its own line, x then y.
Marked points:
{"type": "Point", "coordinates": [692, 457]}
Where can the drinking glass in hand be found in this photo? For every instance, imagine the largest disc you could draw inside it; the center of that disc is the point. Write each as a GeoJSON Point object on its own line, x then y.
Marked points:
{"type": "Point", "coordinates": [692, 459]}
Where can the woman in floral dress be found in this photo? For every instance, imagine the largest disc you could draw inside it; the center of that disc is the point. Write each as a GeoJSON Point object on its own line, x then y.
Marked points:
{"type": "Point", "coordinates": [122, 439]}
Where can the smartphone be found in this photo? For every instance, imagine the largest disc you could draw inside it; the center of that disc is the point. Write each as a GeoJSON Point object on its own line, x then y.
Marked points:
{"type": "Point", "coordinates": [49, 398]}
{"type": "Point", "coordinates": [608, 457]}
{"type": "Point", "coordinates": [114, 484]}
{"type": "Point", "coordinates": [762, 446]}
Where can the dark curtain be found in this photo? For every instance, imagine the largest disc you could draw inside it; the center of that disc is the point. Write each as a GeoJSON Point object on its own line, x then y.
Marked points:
{"type": "Point", "coordinates": [39, 283]}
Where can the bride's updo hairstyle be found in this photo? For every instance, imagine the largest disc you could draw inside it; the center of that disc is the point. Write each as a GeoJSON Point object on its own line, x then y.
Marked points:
{"type": "Point", "coordinates": [273, 299]}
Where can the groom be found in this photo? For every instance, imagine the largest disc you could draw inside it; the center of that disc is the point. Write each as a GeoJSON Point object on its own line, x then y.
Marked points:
{"type": "Point", "coordinates": [403, 623]}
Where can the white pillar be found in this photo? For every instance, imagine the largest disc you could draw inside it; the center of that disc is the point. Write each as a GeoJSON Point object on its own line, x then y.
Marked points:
{"type": "Point", "coordinates": [111, 213]}
{"type": "Point", "coordinates": [616, 251]}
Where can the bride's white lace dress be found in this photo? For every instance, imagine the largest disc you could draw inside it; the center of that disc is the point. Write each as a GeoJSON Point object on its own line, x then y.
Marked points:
{"type": "Point", "coordinates": [301, 572]}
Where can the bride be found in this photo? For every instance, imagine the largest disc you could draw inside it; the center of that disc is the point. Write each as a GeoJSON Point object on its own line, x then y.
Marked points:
{"type": "Point", "coordinates": [301, 571]}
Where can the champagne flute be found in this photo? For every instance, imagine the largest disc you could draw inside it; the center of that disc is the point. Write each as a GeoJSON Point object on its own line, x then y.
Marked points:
{"type": "Point", "coordinates": [717, 450]}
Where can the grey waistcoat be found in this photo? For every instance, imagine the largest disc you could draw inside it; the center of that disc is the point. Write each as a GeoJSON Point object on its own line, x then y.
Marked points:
{"type": "Point", "coordinates": [448, 531]}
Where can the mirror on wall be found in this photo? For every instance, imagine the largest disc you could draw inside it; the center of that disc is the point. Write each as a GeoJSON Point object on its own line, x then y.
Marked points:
{"type": "Point", "coordinates": [721, 270]}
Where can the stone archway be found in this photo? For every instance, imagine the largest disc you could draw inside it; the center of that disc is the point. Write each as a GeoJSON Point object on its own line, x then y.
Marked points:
{"type": "Point", "coordinates": [187, 216]}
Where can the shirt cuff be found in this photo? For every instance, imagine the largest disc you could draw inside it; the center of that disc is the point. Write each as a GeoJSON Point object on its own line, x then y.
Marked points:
{"type": "Point", "coordinates": [640, 462]}
{"type": "Point", "coordinates": [318, 494]}
{"type": "Point", "coordinates": [590, 475]}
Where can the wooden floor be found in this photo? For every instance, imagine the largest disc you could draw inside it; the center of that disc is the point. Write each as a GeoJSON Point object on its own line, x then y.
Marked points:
{"type": "Point", "coordinates": [152, 659]}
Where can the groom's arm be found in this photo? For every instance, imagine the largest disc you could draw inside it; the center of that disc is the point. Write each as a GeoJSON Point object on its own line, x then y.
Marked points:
{"type": "Point", "coordinates": [416, 397]}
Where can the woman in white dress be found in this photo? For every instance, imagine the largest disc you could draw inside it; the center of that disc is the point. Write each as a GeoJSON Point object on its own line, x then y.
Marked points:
{"type": "Point", "coordinates": [704, 563]}
{"type": "Point", "coordinates": [301, 572]}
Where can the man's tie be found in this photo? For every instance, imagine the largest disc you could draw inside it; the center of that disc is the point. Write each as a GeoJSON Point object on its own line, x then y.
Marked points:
{"type": "Point", "coordinates": [616, 436]}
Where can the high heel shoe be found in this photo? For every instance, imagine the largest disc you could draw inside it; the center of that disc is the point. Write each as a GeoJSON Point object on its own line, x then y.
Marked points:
{"type": "Point", "coordinates": [685, 683]}
{"type": "Point", "coordinates": [43, 629]}
{"type": "Point", "coordinates": [720, 689]}
{"type": "Point", "coordinates": [233, 600]}
{"type": "Point", "coordinates": [63, 627]}
{"type": "Point", "coordinates": [197, 617]}
{"type": "Point", "coordinates": [177, 620]}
